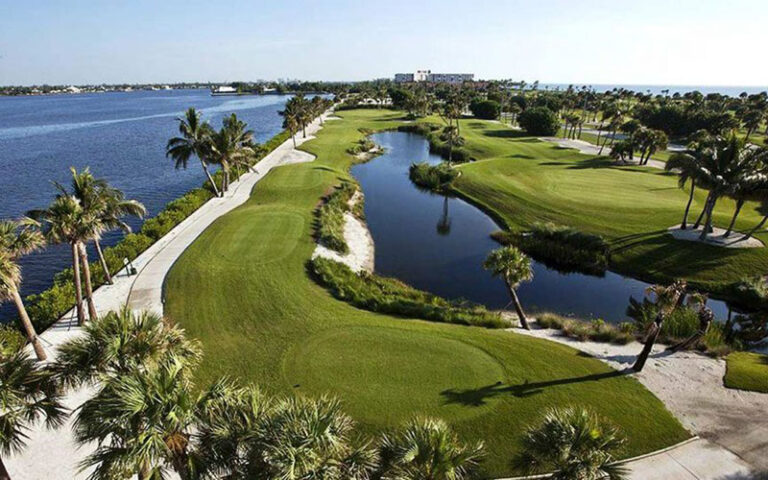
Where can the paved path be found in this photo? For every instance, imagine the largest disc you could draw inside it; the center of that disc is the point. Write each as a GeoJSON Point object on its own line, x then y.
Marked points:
{"type": "Point", "coordinates": [53, 454]}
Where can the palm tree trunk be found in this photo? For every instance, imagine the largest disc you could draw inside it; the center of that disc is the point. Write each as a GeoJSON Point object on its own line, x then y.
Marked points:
{"type": "Point", "coordinates": [293, 137]}
{"type": "Point", "coordinates": [757, 227]}
{"type": "Point", "coordinates": [739, 204]}
{"type": "Point", "coordinates": [684, 225]}
{"type": "Point", "coordinates": [599, 132]}
{"type": "Point", "coordinates": [210, 178]}
{"type": "Point", "coordinates": [88, 286]}
{"type": "Point", "coordinates": [304, 130]}
{"type": "Point", "coordinates": [708, 222]}
{"type": "Point", "coordinates": [28, 328]}
{"type": "Point", "coordinates": [103, 261]}
{"type": "Point", "coordinates": [518, 307]}
{"type": "Point", "coordinates": [4, 475]}
{"type": "Point", "coordinates": [703, 210]}
{"type": "Point", "coordinates": [649, 342]}
{"type": "Point", "coordinates": [78, 284]}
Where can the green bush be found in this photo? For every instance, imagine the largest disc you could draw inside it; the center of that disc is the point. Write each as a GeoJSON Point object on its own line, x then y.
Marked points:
{"type": "Point", "coordinates": [362, 146]}
{"type": "Point", "coordinates": [11, 340]}
{"type": "Point", "coordinates": [393, 297]}
{"type": "Point", "coordinates": [432, 177]}
{"type": "Point", "coordinates": [539, 121]}
{"type": "Point", "coordinates": [486, 109]}
{"type": "Point", "coordinates": [563, 248]}
{"type": "Point", "coordinates": [330, 218]}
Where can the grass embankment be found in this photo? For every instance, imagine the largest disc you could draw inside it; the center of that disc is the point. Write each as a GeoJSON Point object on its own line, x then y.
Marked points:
{"type": "Point", "coordinates": [747, 371]}
{"type": "Point", "coordinates": [243, 289]}
{"type": "Point", "coordinates": [522, 181]}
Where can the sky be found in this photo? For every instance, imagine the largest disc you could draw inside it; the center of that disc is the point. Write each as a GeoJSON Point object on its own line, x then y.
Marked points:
{"type": "Point", "coordinates": [650, 42]}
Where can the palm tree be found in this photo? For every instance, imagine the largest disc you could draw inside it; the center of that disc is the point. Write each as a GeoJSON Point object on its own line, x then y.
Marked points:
{"type": "Point", "coordinates": [107, 203]}
{"type": "Point", "coordinates": [230, 147]}
{"type": "Point", "coordinates": [667, 300]}
{"type": "Point", "coordinates": [17, 239]}
{"type": "Point", "coordinates": [575, 444]}
{"type": "Point", "coordinates": [514, 267]}
{"type": "Point", "coordinates": [28, 393]}
{"type": "Point", "coordinates": [194, 140]}
{"type": "Point", "coordinates": [763, 210]}
{"type": "Point", "coordinates": [291, 120]}
{"type": "Point", "coordinates": [427, 449]}
{"type": "Point", "coordinates": [66, 221]}
{"type": "Point", "coordinates": [118, 343]}
{"type": "Point", "coordinates": [686, 164]}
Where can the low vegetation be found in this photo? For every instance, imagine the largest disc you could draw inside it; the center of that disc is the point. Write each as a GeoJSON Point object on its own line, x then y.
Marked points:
{"type": "Point", "coordinates": [438, 143]}
{"type": "Point", "coordinates": [747, 371]}
{"type": "Point", "coordinates": [330, 217]}
{"type": "Point", "coordinates": [595, 330]}
{"type": "Point", "coordinates": [562, 248]}
{"type": "Point", "coordinates": [436, 178]}
{"type": "Point", "coordinates": [391, 296]}
{"type": "Point", "coordinates": [362, 146]}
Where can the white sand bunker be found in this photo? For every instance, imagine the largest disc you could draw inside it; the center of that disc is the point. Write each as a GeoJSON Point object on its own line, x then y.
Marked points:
{"type": "Point", "coordinates": [358, 238]}
{"type": "Point", "coordinates": [716, 238]}
{"type": "Point", "coordinates": [297, 156]}
{"type": "Point", "coordinates": [332, 117]}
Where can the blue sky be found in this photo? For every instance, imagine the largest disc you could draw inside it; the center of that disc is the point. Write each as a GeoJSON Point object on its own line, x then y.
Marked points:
{"type": "Point", "coordinates": [669, 42]}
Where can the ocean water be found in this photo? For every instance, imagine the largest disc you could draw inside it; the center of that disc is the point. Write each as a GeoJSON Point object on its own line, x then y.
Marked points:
{"type": "Point", "coordinates": [121, 137]}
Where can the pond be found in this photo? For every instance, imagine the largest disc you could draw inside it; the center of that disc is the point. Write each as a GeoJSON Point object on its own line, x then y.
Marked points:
{"type": "Point", "coordinates": [438, 243]}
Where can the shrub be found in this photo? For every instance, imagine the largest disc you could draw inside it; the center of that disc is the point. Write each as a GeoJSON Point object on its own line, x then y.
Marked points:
{"type": "Point", "coordinates": [330, 217]}
{"type": "Point", "coordinates": [362, 146]}
{"type": "Point", "coordinates": [563, 248]}
{"type": "Point", "coordinates": [393, 297]}
{"type": "Point", "coordinates": [539, 121]}
{"type": "Point", "coordinates": [486, 109]}
{"type": "Point", "coordinates": [432, 177]}
{"type": "Point", "coordinates": [595, 330]}
{"type": "Point", "coordinates": [11, 340]}
{"type": "Point", "coordinates": [436, 145]}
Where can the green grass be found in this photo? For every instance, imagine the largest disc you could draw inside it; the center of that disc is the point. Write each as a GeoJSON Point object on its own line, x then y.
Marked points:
{"type": "Point", "coordinates": [747, 371]}
{"type": "Point", "coordinates": [243, 289]}
{"type": "Point", "coordinates": [521, 181]}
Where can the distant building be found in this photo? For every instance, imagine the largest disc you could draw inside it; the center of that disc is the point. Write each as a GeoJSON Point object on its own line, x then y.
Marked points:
{"type": "Point", "coordinates": [428, 76]}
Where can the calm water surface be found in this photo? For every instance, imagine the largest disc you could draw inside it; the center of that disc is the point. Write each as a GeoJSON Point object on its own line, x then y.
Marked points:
{"type": "Point", "coordinates": [438, 244]}
{"type": "Point", "coordinates": [120, 136]}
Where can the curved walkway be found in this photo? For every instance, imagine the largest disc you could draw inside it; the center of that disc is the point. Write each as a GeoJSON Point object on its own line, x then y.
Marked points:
{"type": "Point", "coordinates": [590, 149]}
{"type": "Point", "coordinates": [54, 454]}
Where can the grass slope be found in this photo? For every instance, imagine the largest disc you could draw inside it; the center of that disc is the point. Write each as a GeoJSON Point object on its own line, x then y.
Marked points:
{"type": "Point", "coordinates": [747, 371]}
{"type": "Point", "coordinates": [522, 180]}
{"type": "Point", "coordinates": [242, 288]}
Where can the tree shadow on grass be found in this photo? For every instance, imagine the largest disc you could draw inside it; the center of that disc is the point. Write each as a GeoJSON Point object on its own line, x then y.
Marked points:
{"type": "Point", "coordinates": [505, 133]}
{"type": "Point", "coordinates": [476, 397]}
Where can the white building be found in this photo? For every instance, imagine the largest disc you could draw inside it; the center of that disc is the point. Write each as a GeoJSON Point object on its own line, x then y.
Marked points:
{"type": "Point", "coordinates": [428, 76]}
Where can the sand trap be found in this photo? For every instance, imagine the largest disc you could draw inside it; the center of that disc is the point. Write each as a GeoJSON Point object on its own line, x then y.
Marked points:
{"type": "Point", "coordinates": [298, 156]}
{"type": "Point", "coordinates": [332, 117]}
{"type": "Point", "coordinates": [715, 238]}
{"type": "Point", "coordinates": [691, 386]}
{"type": "Point", "coordinates": [358, 238]}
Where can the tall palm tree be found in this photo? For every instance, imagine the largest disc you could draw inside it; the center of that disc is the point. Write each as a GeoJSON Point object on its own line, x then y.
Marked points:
{"type": "Point", "coordinates": [575, 444]}
{"type": "Point", "coordinates": [686, 165]}
{"type": "Point", "coordinates": [194, 141]}
{"type": "Point", "coordinates": [230, 147]}
{"type": "Point", "coordinates": [292, 120]}
{"type": "Point", "coordinates": [28, 394]}
{"type": "Point", "coordinates": [120, 342]}
{"type": "Point", "coordinates": [66, 221]}
{"type": "Point", "coordinates": [514, 267]}
{"type": "Point", "coordinates": [427, 449]}
{"type": "Point", "coordinates": [105, 202]}
{"type": "Point", "coordinates": [17, 239]}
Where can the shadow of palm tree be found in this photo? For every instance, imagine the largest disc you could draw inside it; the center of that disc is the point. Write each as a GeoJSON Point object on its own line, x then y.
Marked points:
{"type": "Point", "coordinates": [505, 133]}
{"type": "Point", "coordinates": [476, 397]}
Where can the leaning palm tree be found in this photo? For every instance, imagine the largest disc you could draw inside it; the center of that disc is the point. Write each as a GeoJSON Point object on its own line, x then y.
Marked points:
{"type": "Point", "coordinates": [66, 221]}
{"type": "Point", "coordinates": [514, 267]}
{"type": "Point", "coordinates": [686, 166]}
{"type": "Point", "coordinates": [17, 239]}
{"type": "Point", "coordinates": [120, 342]}
{"type": "Point", "coordinates": [194, 141]}
{"type": "Point", "coordinates": [427, 449]}
{"type": "Point", "coordinates": [667, 300]}
{"type": "Point", "coordinates": [28, 394]}
{"type": "Point", "coordinates": [574, 444]}
{"type": "Point", "coordinates": [106, 203]}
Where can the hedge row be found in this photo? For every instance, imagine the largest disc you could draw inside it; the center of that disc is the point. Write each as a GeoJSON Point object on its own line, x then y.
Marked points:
{"type": "Point", "coordinates": [393, 297]}
{"type": "Point", "coordinates": [437, 146]}
{"type": "Point", "coordinates": [48, 306]}
{"type": "Point", "coordinates": [330, 217]}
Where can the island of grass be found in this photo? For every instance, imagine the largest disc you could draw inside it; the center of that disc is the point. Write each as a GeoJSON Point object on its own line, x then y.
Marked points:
{"type": "Point", "coordinates": [747, 371]}
{"type": "Point", "coordinates": [243, 288]}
